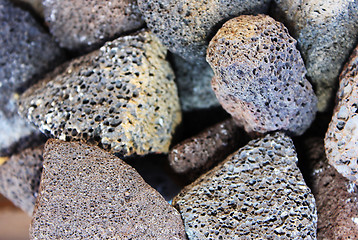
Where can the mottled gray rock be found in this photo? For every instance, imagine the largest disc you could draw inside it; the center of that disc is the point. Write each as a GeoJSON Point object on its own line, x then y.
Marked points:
{"type": "Point", "coordinates": [122, 96]}
{"type": "Point", "coordinates": [87, 193]}
{"type": "Point", "coordinates": [194, 84]}
{"type": "Point", "coordinates": [83, 25]}
{"type": "Point", "coordinates": [199, 153]}
{"type": "Point", "coordinates": [186, 27]}
{"type": "Point", "coordinates": [326, 31]}
{"type": "Point", "coordinates": [342, 135]}
{"type": "Point", "coordinates": [260, 76]}
{"type": "Point", "coordinates": [20, 178]}
{"type": "Point", "coordinates": [256, 193]}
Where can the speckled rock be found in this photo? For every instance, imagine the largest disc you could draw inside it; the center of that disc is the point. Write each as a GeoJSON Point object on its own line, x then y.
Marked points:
{"type": "Point", "coordinates": [20, 178]}
{"type": "Point", "coordinates": [342, 135]}
{"type": "Point", "coordinates": [197, 154]}
{"type": "Point", "coordinates": [194, 84]}
{"type": "Point", "coordinates": [256, 193]}
{"type": "Point", "coordinates": [185, 27]}
{"type": "Point", "coordinates": [336, 197]}
{"type": "Point", "coordinates": [122, 97]}
{"type": "Point", "coordinates": [87, 193]}
{"type": "Point", "coordinates": [326, 31]}
{"type": "Point", "coordinates": [260, 76]}
{"type": "Point", "coordinates": [83, 25]}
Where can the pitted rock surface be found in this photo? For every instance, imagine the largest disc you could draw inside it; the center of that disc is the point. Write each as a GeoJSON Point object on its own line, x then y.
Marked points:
{"type": "Point", "coordinates": [256, 193]}
{"type": "Point", "coordinates": [122, 97]}
{"type": "Point", "coordinates": [326, 32]}
{"type": "Point", "coordinates": [87, 193]}
{"type": "Point", "coordinates": [197, 154]}
{"type": "Point", "coordinates": [186, 27]}
{"type": "Point", "coordinates": [342, 135]}
{"type": "Point", "coordinates": [83, 25]}
{"type": "Point", "coordinates": [20, 178]}
{"type": "Point", "coordinates": [260, 76]}
{"type": "Point", "coordinates": [194, 84]}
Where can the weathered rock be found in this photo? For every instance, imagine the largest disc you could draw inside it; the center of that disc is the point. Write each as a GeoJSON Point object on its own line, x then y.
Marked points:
{"type": "Point", "coordinates": [256, 193]}
{"type": "Point", "coordinates": [326, 31]}
{"type": "Point", "coordinates": [87, 193]}
{"type": "Point", "coordinates": [83, 25]}
{"type": "Point", "coordinates": [336, 197]}
{"type": "Point", "coordinates": [260, 76]}
{"type": "Point", "coordinates": [342, 135]}
{"type": "Point", "coordinates": [194, 84]}
{"type": "Point", "coordinates": [197, 154]}
{"type": "Point", "coordinates": [185, 27]}
{"type": "Point", "coordinates": [20, 178]}
{"type": "Point", "coordinates": [122, 97]}
{"type": "Point", "coordinates": [34, 5]}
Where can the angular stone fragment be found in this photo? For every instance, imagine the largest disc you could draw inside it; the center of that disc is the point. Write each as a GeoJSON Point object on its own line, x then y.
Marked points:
{"type": "Point", "coordinates": [83, 25]}
{"type": "Point", "coordinates": [194, 84]}
{"type": "Point", "coordinates": [186, 26]}
{"type": "Point", "coordinates": [260, 76]}
{"type": "Point", "coordinates": [326, 31]}
{"type": "Point", "coordinates": [341, 139]}
{"type": "Point", "coordinates": [256, 193]}
{"type": "Point", "coordinates": [87, 193]}
{"type": "Point", "coordinates": [20, 178]}
{"type": "Point", "coordinates": [122, 96]}
{"type": "Point", "coordinates": [197, 154]}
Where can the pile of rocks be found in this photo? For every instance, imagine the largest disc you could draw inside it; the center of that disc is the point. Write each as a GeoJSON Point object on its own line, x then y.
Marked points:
{"type": "Point", "coordinates": [128, 94]}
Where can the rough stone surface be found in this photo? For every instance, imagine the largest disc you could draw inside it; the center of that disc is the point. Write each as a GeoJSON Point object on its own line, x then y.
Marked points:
{"type": "Point", "coordinates": [256, 193]}
{"type": "Point", "coordinates": [186, 27]}
{"type": "Point", "coordinates": [336, 197]}
{"type": "Point", "coordinates": [197, 154]}
{"type": "Point", "coordinates": [20, 178]}
{"type": "Point", "coordinates": [260, 76]}
{"type": "Point", "coordinates": [122, 96]}
{"type": "Point", "coordinates": [83, 25]}
{"type": "Point", "coordinates": [342, 135]}
{"type": "Point", "coordinates": [194, 84]}
{"type": "Point", "coordinates": [326, 31]}
{"type": "Point", "coordinates": [87, 193]}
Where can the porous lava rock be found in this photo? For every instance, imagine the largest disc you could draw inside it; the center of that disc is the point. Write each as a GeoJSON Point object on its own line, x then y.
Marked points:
{"type": "Point", "coordinates": [194, 84]}
{"type": "Point", "coordinates": [326, 32]}
{"type": "Point", "coordinates": [83, 25]}
{"type": "Point", "coordinates": [199, 153]}
{"type": "Point", "coordinates": [260, 76]}
{"type": "Point", "coordinates": [87, 193]}
{"type": "Point", "coordinates": [341, 139]}
{"type": "Point", "coordinates": [20, 178]}
{"type": "Point", "coordinates": [256, 193]}
{"type": "Point", "coordinates": [186, 26]}
{"type": "Point", "coordinates": [336, 197]}
{"type": "Point", "coordinates": [122, 96]}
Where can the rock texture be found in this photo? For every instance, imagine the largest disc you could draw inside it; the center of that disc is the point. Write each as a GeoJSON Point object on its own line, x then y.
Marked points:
{"type": "Point", "coordinates": [197, 154]}
{"type": "Point", "coordinates": [260, 76]}
{"type": "Point", "coordinates": [194, 84]}
{"type": "Point", "coordinates": [87, 193]}
{"type": "Point", "coordinates": [34, 5]}
{"type": "Point", "coordinates": [326, 31]}
{"type": "Point", "coordinates": [342, 135]}
{"type": "Point", "coordinates": [20, 178]}
{"type": "Point", "coordinates": [256, 193]}
{"type": "Point", "coordinates": [185, 27]}
{"type": "Point", "coordinates": [122, 97]}
{"type": "Point", "coordinates": [336, 197]}
{"type": "Point", "coordinates": [83, 25]}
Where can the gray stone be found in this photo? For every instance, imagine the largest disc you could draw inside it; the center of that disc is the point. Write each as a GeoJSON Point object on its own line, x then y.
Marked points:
{"type": "Point", "coordinates": [87, 193]}
{"type": "Point", "coordinates": [256, 193]}
{"type": "Point", "coordinates": [185, 27]}
{"type": "Point", "coordinates": [122, 96]}
{"type": "Point", "coordinates": [260, 76]}
{"type": "Point", "coordinates": [326, 31]}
